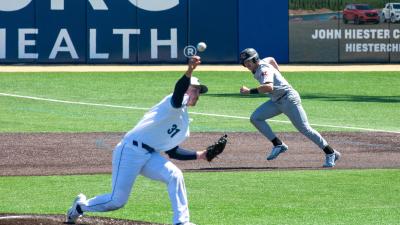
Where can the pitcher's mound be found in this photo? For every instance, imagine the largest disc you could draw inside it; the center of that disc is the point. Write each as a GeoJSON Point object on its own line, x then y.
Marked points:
{"type": "Point", "coordinates": [60, 220]}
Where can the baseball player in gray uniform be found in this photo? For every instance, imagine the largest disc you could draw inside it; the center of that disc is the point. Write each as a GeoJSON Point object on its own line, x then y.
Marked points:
{"type": "Point", "coordinates": [162, 129]}
{"type": "Point", "coordinates": [284, 99]}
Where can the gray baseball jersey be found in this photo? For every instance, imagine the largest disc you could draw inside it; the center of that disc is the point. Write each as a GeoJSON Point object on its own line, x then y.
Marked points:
{"type": "Point", "coordinates": [266, 73]}
{"type": "Point", "coordinates": [284, 99]}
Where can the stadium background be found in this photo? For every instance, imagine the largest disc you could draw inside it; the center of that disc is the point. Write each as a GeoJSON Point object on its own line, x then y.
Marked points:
{"type": "Point", "coordinates": [58, 129]}
{"type": "Point", "coordinates": [126, 32]}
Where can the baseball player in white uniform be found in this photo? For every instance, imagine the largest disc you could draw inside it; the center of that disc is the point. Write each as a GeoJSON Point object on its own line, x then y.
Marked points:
{"type": "Point", "coordinates": [284, 99]}
{"type": "Point", "coordinates": [162, 129]}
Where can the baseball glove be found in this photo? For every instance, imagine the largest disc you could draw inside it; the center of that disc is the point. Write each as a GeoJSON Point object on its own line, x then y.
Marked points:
{"type": "Point", "coordinates": [217, 148]}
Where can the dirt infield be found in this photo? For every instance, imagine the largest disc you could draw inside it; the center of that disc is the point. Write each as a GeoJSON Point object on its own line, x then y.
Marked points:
{"type": "Point", "coordinates": [90, 153]}
{"type": "Point", "coordinates": [59, 219]}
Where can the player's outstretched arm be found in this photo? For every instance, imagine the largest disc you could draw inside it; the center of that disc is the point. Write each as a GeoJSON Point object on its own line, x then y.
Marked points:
{"type": "Point", "coordinates": [184, 154]}
{"type": "Point", "coordinates": [209, 154]}
{"type": "Point", "coordinates": [192, 65]}
{"type": "Point", "coordinates": [264, 88]}
{"type": "Point", "coordinates": [183, 83]}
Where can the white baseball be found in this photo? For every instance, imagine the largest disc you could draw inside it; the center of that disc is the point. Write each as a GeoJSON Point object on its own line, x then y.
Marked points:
{"type": "Point", "coordinates": [201, 46]}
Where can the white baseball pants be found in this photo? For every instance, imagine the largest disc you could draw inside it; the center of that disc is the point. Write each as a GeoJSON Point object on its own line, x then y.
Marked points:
{"type": "Point", "coordinates": [128, 162]}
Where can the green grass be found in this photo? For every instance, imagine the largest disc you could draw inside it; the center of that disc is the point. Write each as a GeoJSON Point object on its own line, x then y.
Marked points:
{"type": "Point", "coordinates": [357, 99]}
{"type": "Point", "coordinates": [226, 198]}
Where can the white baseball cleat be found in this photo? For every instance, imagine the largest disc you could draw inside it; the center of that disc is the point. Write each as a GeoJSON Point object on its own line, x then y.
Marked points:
{"type": "Point", "coordinates": [186, 223]}
{"type": "Point", "coordinates": [330, 159]}
{"type": "Point", "coordinates": [276, 150]}
{"type": "Point", "coordinates": [72, 213]}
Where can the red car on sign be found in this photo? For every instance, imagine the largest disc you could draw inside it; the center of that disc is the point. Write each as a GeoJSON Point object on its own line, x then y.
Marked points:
{"type": "Point", "coordinates": [360, 13]}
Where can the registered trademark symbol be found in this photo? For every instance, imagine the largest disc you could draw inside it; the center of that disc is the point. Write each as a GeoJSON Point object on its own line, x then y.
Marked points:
{"type": "Point", "coordinates": [189, 51]}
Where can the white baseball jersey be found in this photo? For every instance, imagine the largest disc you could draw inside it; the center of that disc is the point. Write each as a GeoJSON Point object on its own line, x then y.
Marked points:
{"type": "Point", "coordinates": [267, 73]}
{"type": "Point", "coordinates": [163, 127]}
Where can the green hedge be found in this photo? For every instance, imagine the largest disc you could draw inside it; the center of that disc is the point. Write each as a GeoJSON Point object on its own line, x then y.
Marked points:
{"type": "Point", "coordinates": [335, 5]}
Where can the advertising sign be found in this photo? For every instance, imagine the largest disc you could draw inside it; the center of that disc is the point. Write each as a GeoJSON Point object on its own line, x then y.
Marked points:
{"type": "Point", "coordinates": [338, 31]}
{"type": "Point", "coordinates": [120, 31]}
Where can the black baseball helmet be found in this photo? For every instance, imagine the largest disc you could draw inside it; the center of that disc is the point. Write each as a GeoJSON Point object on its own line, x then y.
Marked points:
{"type": "Point", "coordinates": [247, 54]}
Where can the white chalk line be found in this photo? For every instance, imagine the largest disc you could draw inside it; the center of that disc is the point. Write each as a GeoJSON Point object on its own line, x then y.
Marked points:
{"type": "Point", "coordinates": [27, 217]}
{"type": "Point", "coordinates": [195, 113]}
{"type": "Point", "coordinates": [14, 217]}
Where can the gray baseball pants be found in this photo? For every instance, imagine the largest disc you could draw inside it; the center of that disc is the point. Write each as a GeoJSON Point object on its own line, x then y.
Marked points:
{"type": "Point", "coordinates": [290, 105]}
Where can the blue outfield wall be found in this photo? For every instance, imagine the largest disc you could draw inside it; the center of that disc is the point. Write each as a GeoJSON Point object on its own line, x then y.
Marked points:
{"type": "Point", "coordinates": [216, 23]}
{"type": "Point", "coordinates": [9, 24]}
{"type": "Point", "coordinates": [61, 28]}
{"type": "Point", "coordinates": [139, 31]}
{"type": "Point", "coordinates": [103, 46]}
{"type": "Point", "coordinates": [160, 31]}
{"type": "Point", "coordinates": [263, 25]}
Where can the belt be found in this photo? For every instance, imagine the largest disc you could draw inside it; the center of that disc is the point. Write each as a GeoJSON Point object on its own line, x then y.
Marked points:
{"type": "Point", "coordinates": [281, 97]}
{"type": "Point", "coordinates": [148, 148]}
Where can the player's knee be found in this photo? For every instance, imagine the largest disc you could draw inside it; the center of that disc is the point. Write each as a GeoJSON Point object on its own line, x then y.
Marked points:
{"type": "Point", "coordinates": [176, 175]}
{"type": "Point", "coordinates": [116, 203]}
{"type": "Point", "coordinates": [305, 130]}
{"type": "Point", "coordinates": [254, 118]}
